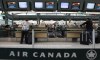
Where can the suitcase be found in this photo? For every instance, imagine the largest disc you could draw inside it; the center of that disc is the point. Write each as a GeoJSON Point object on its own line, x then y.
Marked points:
{"type": "Point", "coordinates": [97, 39]}
{"type": "Point", "coordinates": [98, 31]}
{"type": "Point", "coordinates": [84, 38]}
{"type": "Point", "coordinates": [97, 35]}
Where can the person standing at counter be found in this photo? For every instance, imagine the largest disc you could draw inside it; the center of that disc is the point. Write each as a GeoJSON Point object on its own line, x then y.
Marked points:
{"type": "Point", "coordinates": [25, 30]}
{"type": "Point", "coordinates": [89, 27]}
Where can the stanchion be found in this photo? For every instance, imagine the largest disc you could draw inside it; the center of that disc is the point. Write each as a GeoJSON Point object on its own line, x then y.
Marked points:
{"type": "Point", "coordinates": [32, 38]}
{"type": "Point", "coordinates": [93, 38]}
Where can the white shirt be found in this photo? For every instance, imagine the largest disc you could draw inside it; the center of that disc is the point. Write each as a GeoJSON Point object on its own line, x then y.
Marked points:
{"type": "Point", "coordinates": [25, 25]}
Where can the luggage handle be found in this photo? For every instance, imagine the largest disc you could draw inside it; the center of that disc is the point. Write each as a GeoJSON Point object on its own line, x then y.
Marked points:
{"type": "Point", "coordinates": [86, 35]}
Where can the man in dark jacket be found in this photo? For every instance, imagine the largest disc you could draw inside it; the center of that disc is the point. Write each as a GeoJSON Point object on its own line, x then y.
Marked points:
{"type": "Point", "coordinates": [89, 27]}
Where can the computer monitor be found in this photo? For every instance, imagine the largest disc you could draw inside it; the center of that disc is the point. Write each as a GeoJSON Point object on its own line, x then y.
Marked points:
{"type": "Point", "coordinates": [0, 6]}
{"type": "Point", "coordinates": [90, 5]}
{"type": "Point", "coordinates": [11, 4]}
{"type": "Point", "coordinates": [75, 5]}
{"type": "Point", "coordinates": [49, 5]}
{"type": "Point", "coordinates": [64, 5]}
{"type": "Point", "coordinates": [98, 6]}
{"type": "Point", "coordinates": [38, 5]}
{"type": "Point", "coordinates": [23, 5]}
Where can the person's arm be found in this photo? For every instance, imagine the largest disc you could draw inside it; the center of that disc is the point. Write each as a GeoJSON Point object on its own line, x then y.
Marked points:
{"type": "Point", "coordinates": [83, 24]}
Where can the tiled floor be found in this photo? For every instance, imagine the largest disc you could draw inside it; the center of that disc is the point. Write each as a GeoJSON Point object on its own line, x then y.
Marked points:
{"type": "Point", "coordinates": [13, 43]}
{"type": "Point", "coordinates": [59, 45]}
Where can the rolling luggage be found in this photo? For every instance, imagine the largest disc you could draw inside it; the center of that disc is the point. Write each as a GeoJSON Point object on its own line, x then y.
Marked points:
{"type": "Point", "coordinates": [97, 39]}
{"type": "Point", "coordinates": [84, 38]}
{"type": "Point", "coordinates": [97, 36]}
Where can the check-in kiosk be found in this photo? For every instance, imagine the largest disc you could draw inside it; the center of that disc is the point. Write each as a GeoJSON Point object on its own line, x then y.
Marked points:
{"type": "Point", "coordinates": [72, 26]}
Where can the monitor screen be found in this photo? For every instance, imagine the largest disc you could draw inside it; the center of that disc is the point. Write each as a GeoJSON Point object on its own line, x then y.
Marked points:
{"type": "Point", "coordinates": [49, 5]}
{"type": "Point", "coordinates": [64, 5]}
{"type": "Point", "coordinates": [22, 4]}
{"type": "Point", "coordinates": [0, 6]}
{"type": "Point", "coordinates": [76, 5]}
{"type": "Point", "coordinates": [38, 4]}
{"type": "Point", "coordinates": [98, 6]}
{"type": "Point", "coordinates": [90, 5]}
{"type": "Point", "coordinates": [11, 4]}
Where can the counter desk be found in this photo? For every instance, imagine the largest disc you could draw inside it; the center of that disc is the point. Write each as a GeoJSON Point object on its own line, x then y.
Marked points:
{"type": "Point", "coordinates": [38, 32]}
{"type": "Point", "coordinates": [42, 32]}
{"type": "Point", "coordinates": [73, 33]}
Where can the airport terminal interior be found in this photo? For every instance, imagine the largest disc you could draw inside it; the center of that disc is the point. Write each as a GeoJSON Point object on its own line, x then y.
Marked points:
{"type": "Point", "coordinates": [53, 23]}
{"type": "Point", "coordinates": [44, 30]}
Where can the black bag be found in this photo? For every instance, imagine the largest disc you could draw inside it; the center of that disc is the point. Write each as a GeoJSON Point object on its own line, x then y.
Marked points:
{"type": "Point", "coordinates": [51, 34]}
{"type": "Point", "coordinates": [59, 34]}
{"type": "Point", "coordinates": [84, 38]}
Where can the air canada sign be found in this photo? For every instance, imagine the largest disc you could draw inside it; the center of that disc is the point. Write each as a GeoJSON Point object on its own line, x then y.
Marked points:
{"type": "Point", "coordinates": [49, 54]}
{"type": "Point", "coordinates": [43, 54]}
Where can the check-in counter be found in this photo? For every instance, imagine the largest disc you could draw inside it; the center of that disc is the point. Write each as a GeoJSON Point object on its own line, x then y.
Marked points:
{"type": "Point", "coordinates": [73, 33]}
{"type": "Point", "coordinates": [18, 32]}
{"type": "Point", "coordinates": [40, 32]}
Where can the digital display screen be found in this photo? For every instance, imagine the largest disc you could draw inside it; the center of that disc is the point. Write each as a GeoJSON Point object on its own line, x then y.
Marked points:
{"type": "Point", "coordinates": [11, 4]}
{"type": "Point", "coordinates": [0, 6]}
{"type": "Point", "coordinates": [22, 4]}
{"type": "Point", "coordinates": [38, 4]}
{"type": "Point", "coordinates": [76, 5]}
{"type": "Point", "coordinates": [64, 5]}
{"type": "Point", "coordinates": [50, 5]}
{"type": "Point", "coordinates": [90, 5]}
{"type": "Point", "coordinates": [98, 6]}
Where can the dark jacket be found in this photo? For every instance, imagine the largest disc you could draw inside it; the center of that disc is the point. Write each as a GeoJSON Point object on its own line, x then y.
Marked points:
{"type": "Point", "coordinates": [89, 25]}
